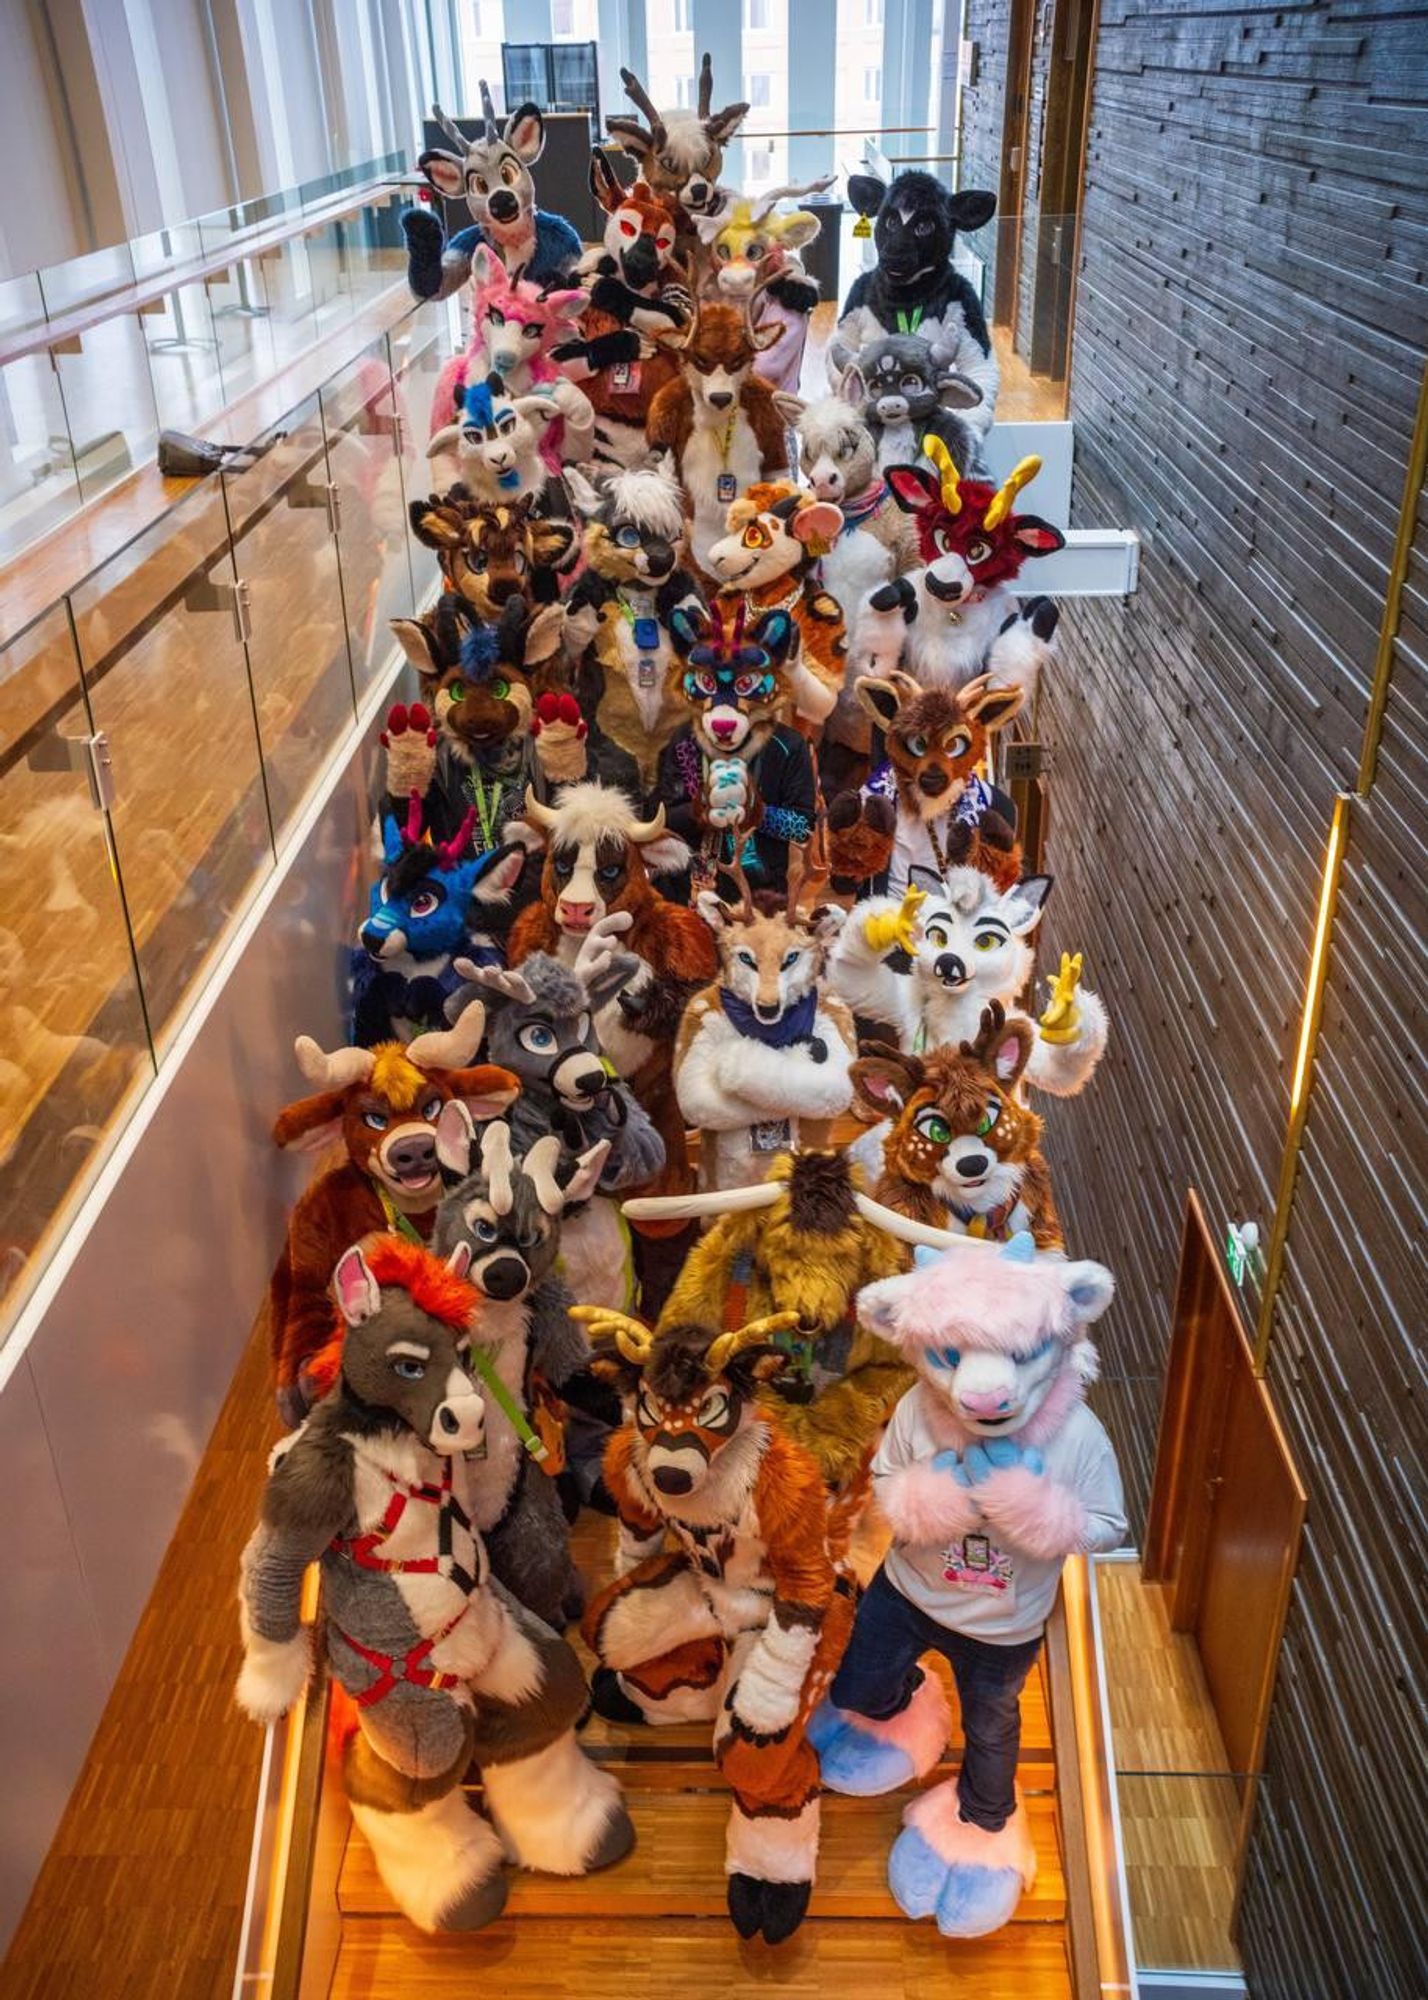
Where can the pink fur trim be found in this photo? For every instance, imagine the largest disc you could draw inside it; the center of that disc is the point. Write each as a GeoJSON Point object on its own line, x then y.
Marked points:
{"type": "Point", "coordinates": [983, 1301]}
{"type": "Point", "coordinates": [937, 1817]}
{"type": "Point", "coordinates": [1036, 1515]}
{"type": "Point", "coordinates": [923, 1505]}
{"type": "Point", "coordinates": [921, 1730]}
{"type": "Point", "coordinates": [1066, 1391]}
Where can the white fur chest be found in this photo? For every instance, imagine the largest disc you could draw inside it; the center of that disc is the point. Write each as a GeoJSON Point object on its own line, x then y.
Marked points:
{"type": "Point", "coordinates": [704, 462]}
{"type": "Point", "coordinates": [383, 1472]}
{"type": "Point", "coordinates": [503, 1335]}
{"type": "Point", "coordinates": [719, 1532]}
{"type": "Point", "coordinates": [627, 1049]}
{"type": "Point", "coordinates": [947, 650]}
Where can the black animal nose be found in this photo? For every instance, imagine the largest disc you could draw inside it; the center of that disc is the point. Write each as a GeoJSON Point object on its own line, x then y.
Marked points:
{"type": "Point", "coordinates": [672, 1479]}
{"type": "Point", "coordinates": [659, 559]}
{"type": "Point", "coordinates": [503, 205]}
{"type": "Point", "coordinates": [640, 262]}
{"type": "Point", "coordinates": [933, 781]}
{"type": "Point", "coordinates": [721, 398]}
{"type": "Point", "coordinates": [448, 1420]}
{"type": "Point", "coordinates": [588, 1082]}
{"type": "Point", "coordinates": [972, 1166]}
{"type": "Point", "coordinates": [413, 1155]}
{"type": "Point", "coordinates": [503, 1277]}
{"type": "Point", "coordinates": [950, 969]}
{"type": "Point", "coordinates": [373, 940]}
{"type": "Point", "coordinates": [501, 587]}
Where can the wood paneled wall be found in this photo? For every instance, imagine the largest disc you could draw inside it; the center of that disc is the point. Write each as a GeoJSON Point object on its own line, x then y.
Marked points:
{"type": "Point", "coordinates": [1249, 348]}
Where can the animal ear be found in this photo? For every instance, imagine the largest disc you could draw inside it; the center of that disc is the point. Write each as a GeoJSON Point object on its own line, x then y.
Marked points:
{"type": "Point", "coordinates": [419, 646]}
{"type": "Point", "coordinates": [775, 630]}
{"type": "Point", "coordinates": [722, 125]}
{"type": "Point", "coordinates": [485, 1089]}
{"type": "Point", "coordinates": [358, 1295]}
{"type": "Point", "coordinates": [912, 487]}
{"type": "Point", "coordinates": [525, 133]}
{"type": "Point", "coordinates": [926, 879]}
{"type": "Point", "coordinates": [797, 229]}
{"type": "Point", "coordinates": [1024, 905]}
{"type": "Point", "coordinates": [852, 386]}
{"type": "Point", "coordinates": [876, 1306]}
{"type": "Point", "coordinates": [826, 923]}
{"type": "Point", "coordinates": [551, 540]}
{"type": "Point", "coordinates": [537, 410]}
{"type": "Point", "coordinates": [604, 181]}
{"type": "Point", "coordinates": [714, 910]}
{"type": "Point", "coordinates": [688, 624]}
{"type": "Point", "coordinates": [884, 1079]}
{"type": "Point", "coordinates": [666, 855]}
{"type": "Point", "coordinates": [865, 192]}
{"type": "Point", "coordinates": [444, 174]}
{"type": "Point", "coordinates": [819, 522]}
{"type": "Point", "coordinates": [1011, 1051]}
{"type": "Point", "coordinates": [993, 707]}
{"type": "Point", "coordinates": [458, 1259]}
{"type": "Point", "coordinates": [766, 1367]}
{"type": "Point", "coordinates": [710, 226]}
{"type": "Point", "coordinates": [586, 1177]}
{"type": "Point", "coordinates": [972, 207]}
{"type": "Point", "coordinates": [1035, 537]}
{"type": "Point", "coordinates": [789, 406]}
{"type": "Point", "coordinates": [437, 526]}
{"type": "Point", "coordinates": [311, 1123]}
{"type": "Point", "coordinates": [486, 267]}
{"type": "Point", "coordinates": [957, 392]}
{"type": "Point", "coordinates": [880, 699]}
{"type": "Point", "coordinates": [584, 495]}
{"type": "Point", "coordinates": [455, 1135]}
{"type": "Point", "coordinates": [391, 839]}
{"type": "Point", "coordinates": [1089, 1288]}
{"type": "Point", "coordinates": [498, 879]}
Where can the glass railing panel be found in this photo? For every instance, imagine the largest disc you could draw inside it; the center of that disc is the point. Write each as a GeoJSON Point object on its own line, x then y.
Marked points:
{"type": "Point", "coordinates": [72, 1034]}
{"type": "Point", "coordinates": [22, 307]}
{"type": "Point", "coordinates": [285, 546]}
{"type": "Point", "coordinates": [327, 267]}
{"type": "Point", "coordinates": [376, 250]}
{"type": "Point", "coordinates": [108, 400]}
{"type": "Point", "coordinates": [86, 281]}
{"type": "Point", "coordinates": [39, 486]}
{"type": "Point", "coordinates": [419, 349]}
{"type": "Point", "coordinates": [165, 250]}
{"type": "Point", "coordinates": [159, 634]}
{"type": "Point", "coordinates": [287, 287]}
{"type": "Point", "coordinates": [242, 326]}
{"type": "Point", "coordinates": [359, 417]}
{"type": "Point", "coordinates": [185, 360]}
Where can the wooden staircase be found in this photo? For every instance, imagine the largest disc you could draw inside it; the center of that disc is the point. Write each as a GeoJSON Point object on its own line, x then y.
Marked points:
{"type": "Point", "coordinates": [655, 1926]}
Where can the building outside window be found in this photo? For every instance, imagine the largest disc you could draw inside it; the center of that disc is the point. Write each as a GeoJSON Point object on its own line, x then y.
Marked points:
{"type": "Point", "coordinates": [756, 89]}
{"type": "Point", "coordinates": [669, 42]}
{"type": "Point", "coordinates": [873, 87]}
{"type": "Point", "coordinates": [765, 85]}
{"type": "Point", "coordinates": [483, 29]}
{"type": "Point", "coordinates": [756, 14]}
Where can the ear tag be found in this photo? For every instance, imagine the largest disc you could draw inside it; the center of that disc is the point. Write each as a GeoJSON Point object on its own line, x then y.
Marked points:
{"type": "Point", "coordinates": [727, 488]}
{"type": "Point", "coordinates": [863, 228]}
{"type": "Point", "coordinates": [647, 637]}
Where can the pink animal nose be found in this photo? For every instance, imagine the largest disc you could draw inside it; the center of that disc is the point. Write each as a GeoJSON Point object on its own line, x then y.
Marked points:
{"type": "Point", "coordinates": [724, 725]}
{"type": "Point", "coordinates": [576, 913]}
{"type": "Point", "coordinates": [983, 1403]}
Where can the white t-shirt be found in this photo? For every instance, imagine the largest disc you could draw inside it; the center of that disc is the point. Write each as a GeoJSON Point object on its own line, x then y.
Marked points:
{"type": "Point", "coordinates": [975, 1584]}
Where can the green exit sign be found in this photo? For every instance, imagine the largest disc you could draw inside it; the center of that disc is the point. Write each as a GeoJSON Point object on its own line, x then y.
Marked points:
{"type": "Point", "coordinates": [1242, 1251]}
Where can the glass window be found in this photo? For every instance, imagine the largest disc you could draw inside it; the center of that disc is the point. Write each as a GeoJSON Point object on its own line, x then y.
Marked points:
{"type": "Point", "coordinates": [756, 14]}
{"type": "Point", "coordinates": [872, 13]}
{"type": "Point", "coordinates": [872, 86]}
{"type": "Point", "coordinates": [669, 37]}
{"type": "Point", "coordinates": [858, 79]}
{"type": "Point", "coordinates": [683, 17]}
{"type": "Point", "coordinates": [756, 89]}
{"type": "Point", "coordinates": [562, 18]}
{"type": "Point", "coordinates": [483, 29]}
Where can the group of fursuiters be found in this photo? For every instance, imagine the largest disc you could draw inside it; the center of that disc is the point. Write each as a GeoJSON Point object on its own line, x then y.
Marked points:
{"type": "Point", "coordinates": [690, 829]}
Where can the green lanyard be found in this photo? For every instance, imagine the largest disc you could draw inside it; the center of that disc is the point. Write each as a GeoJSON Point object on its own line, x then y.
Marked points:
{"type": "Point", "coordinates": [485, 810]}
{"type": "Point", "coordinates": [480, 1358]}
{"type": "Point", "coordinates": [909, 322]}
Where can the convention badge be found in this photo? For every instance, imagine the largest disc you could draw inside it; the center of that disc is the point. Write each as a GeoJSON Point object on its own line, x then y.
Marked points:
{"type": "Point", "coordinates": [625, 377]}
{"type": "Point", "coordinates": [646, 670]}
{"type": "Point", "coordinates": [647, 635]}
{"type": "Point", "coordinates": [770, 1135]}
{"type": "Point", "coordinates": [727, 488]}
{"type": "Point", "coordinates": [976, 1564]}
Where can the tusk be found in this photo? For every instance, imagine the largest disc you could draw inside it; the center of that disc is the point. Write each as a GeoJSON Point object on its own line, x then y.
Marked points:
{"type": "Point", "coordinates": [681, 1207]}
{"type": "Point", "coordinates": [908, 1231]}
{"type": "Point", "coordinates": [454, 1047]}
{"type": "Point", "coordinates": [335, 1071]}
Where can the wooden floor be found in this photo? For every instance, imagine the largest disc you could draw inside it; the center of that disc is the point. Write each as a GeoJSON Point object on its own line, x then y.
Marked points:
{"type": "Point", "coordinates": [1179, 1809]}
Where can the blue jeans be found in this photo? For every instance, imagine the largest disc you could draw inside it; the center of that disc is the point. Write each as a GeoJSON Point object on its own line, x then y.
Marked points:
{"type": "Point", "coordinates": [880, 1675]}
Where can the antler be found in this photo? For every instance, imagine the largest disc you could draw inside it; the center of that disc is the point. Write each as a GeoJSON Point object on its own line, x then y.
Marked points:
{"type": "Point", "coordinates": [631, 1336]}
{"type": "Point", "coordinates": [488, 112]}
{"type": "Point", "coordinates": [721, 1352]}
{"type": "Point", "coordinates": [502, 979]}
{"type": "Point", "coordinates": [1019, 476]}
{"type": "Point", "coordinates": [453, 132]}
{"type": "Point", "coordinates": [454, 1047]}
{"type": "Point", "coordinates": [766, 202]}
{"type": "Point", "coordinates": [335, 1071]}
{"type": "Point", "coordinates": [448, 852]}
{"type": "Point", "coordinates": [941, 457]}
{"type": "Point", "coordinates": [994, 1019]}
{"type": "Point", "coordinates": [706, 84]}
{"type": "Point", "coordinates": [641, 100]}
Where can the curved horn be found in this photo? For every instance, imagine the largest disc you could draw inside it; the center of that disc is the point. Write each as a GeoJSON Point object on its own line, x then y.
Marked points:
{"type": "Point", "coordinates": [721, 1352]}
{"type": "Point", "coordinates": [545, 817]}
{"type": "Point", "coordinates": [539, 1169]}
{"type": "Point", "coordinates": [454, 1047]}
{"type": "Point", "coordinates": [706, 84]}
{"type": "Point", "coordinates": [641, 100]}
{"type": "Point", "coordinates": [449, 852]}
{"type": "Point", "coordinates": [633, 1338]}
{"type": "Point", "coordinates": [941, 457]}
{"type": "Point", "coordinates": [496, 1165]}
{"type": "Point", "coordinates": [335, 1071]}
{"type": "Point", "coordinates": [642, 831]}
{"type": "Point", "coordinates": [453, 132]}
{"type": "Point", "coordinates": [682, 1207]}
{"type": "Point", "coordinates": [411, 832]}
{"type": "Point", "coordinates": [1020, 475]}
{"type": "Point", "coordinates": [908, 1231]}
{"type": "Point", "coordinates": [488, 112]}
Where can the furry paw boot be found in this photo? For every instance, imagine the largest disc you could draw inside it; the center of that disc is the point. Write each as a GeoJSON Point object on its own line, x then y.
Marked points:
{"type": "Point", "coordinates": [863, 1758]}
{"type": "Point", "coordinates": [943, 1866]}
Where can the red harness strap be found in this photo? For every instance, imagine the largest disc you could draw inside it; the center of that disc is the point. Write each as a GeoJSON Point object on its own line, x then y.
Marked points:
{"type": "Point", "coordinates": [393, 1669]}
{"type": "Point", "coordinates": [362, 1549]}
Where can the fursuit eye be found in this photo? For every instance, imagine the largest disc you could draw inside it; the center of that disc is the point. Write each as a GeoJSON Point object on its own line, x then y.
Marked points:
{"type": "Point", "coordinates": [478, 562]}
{"type": "Point", "coordinates": [790, 958]}
{"type": "Point", "coordinates": [754, 536]}
{"type": "Point", "coordinates": [646, 1412]}
{"type": "Point", "coordinates": [917, 746]}
{"type": "Point", "coordinates": [933, 1127]}
{"type": "Point", "coordinates": [913, 385]}
{"type": "Point", "coordinates": [518, 562]}
{"type": "Point", "coordinates": [747, 684]}
{"type": "Point", "coordinates": [537, 1037]}
{"type": "Point", "coordinates": [506, 422]}
{"type": "Point", "coordinates": [747, 958]}
{"type": "Point", "coordinates": [500, 689]}
{"type": "Point", "coordinates": [939, 937]}
{"type": "Point", "coordinates": [714, 1408]}
{"type": "Point", "coordinates": [478, 181]}
{"type": "Point", "coordinates": [611, 872]}
{"type": "Point", "coordinates": [942, 541]}
{"type": "Point", "coordinates": [424, 902]}
{"type": "Point", "coordinates": [958, 746]}
{"type": "Point", "coordinates": [563, 867]}
{"type": "Point", "coordinates": [376, 1119]}
{"type": "Point", "coordinates": [978, 551]}
{"type": "Point", "coordinates": [510, 172]}
{"type": "Point", "coordinates": [924, 227]}
{"type": "Point", "coordinates": [723, 252]}
{"type": "Point", "coordinates": [987, 940]}
{"type": "Point", "coordinates": [628, 228]}
{"type": "Point", "coordinates": [408, 1367]}
{"type": "Point", "coordinates": [431, 1110]}
{"type": "Point", "coordinates": [531, 330]}
{"type": "Point", "coordinates": [754, 249]}
{"type": "Point", "coordinates": [989, 1117]}
{"type": "Point", "coordinates": [627, 537]}
{"type": "Point", "coordinates": [701, 686]}
{"type": "Point", "coordinates": [495, 316]}
{"type": "Point", "coordinates": [485, 1232]}
{"type": "Point", "coordinates": [946, 1357]}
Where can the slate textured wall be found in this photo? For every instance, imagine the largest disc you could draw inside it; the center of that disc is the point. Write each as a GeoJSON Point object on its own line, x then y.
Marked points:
{"type": "Point", "coordinates": [1249, 347]}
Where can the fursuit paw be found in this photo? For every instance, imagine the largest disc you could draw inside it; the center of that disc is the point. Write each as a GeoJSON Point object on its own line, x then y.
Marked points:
{"type": "Point", "coordinates": [409, 740]}
{"type": "Point", "coordinates": [943, 1866]}
{"type": "Point", "coordinates": [558, 731]}
{"type": "Point", "coordinates": [863, 1758]}
{"type": "Point", "coordinates": [860, 838]}
{"type": "Point", "coordinates": [770, 1910]}
{"type": "Point", "coordinates": [608, 1698]}
{"type": "Point", "coordinates": [425, 243]}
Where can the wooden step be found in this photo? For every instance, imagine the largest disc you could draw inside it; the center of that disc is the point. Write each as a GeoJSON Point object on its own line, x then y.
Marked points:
{"type": "Point", "coordinates": [383, 1958]}
{"type": "Point", "coordinates": [677, 1867]}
